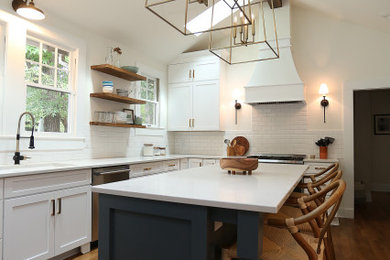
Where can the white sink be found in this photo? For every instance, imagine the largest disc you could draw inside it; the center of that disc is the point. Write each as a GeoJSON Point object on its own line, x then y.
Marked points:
{"type": "Point", "coordinates": [34, 165]}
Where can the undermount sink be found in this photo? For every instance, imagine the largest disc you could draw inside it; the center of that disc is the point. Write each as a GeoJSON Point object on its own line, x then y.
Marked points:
{"type": "Point", "coordinates": [33, 165]}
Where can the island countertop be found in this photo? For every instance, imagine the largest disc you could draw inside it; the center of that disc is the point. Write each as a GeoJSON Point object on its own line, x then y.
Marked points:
{"type": "Point", "coordinates": [265, 190]}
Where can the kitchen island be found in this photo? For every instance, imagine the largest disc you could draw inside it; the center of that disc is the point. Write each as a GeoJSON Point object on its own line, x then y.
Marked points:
{"type": "Point", "coordinates": [171, 215]}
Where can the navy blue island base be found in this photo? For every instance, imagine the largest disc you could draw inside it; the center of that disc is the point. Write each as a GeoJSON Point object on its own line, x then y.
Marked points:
{"type": "Point", "coordinates": [141, 229]}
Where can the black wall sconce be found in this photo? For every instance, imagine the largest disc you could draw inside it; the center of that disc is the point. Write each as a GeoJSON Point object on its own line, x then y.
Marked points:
{"type": "Point", "coordinates": [237, 107]}
{"type": "Point", "coordinates": [324, 102]}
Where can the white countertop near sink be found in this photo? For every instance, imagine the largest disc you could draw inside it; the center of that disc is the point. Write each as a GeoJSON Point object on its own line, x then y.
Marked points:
{"type": "Point", "coordinates": [265, 190]}
{"type": "Point", "coordinates": [26, 168]}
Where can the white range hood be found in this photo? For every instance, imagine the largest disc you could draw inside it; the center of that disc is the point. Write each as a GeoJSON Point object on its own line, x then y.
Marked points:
{"type": "Point", "coordinates": [277, 81]}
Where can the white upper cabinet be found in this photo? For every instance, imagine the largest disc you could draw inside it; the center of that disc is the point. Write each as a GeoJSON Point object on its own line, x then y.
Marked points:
{"type": "Point", "coordinates": [205, 113]}
{"type": "Point", "coordinates": [180, 107]}
{"type": "Point", "coordinates": [194, 92]}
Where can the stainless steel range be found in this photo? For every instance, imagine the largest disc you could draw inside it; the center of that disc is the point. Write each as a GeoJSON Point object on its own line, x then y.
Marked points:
{"type": "Point", "coordinates": [279, 158]}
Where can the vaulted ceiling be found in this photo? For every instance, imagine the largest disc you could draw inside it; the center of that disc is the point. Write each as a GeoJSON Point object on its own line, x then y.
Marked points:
{"type": "Point", "coordinates": [129, 22]}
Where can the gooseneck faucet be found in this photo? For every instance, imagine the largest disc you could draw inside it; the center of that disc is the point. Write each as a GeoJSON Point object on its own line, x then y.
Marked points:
{"type": "Point", "coordinates": [17, 157]}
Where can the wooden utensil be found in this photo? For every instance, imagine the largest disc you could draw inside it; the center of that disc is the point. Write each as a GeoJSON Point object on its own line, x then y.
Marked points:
{"type": "Point", "coordinates": [244, 165]}
{"type": "Point", "coordinates": [242, 141]}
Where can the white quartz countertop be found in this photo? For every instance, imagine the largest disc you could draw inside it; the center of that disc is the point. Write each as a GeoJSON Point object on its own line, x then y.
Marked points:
{"type": "Point", "coordinates": [27, 168]}
{"type": "Point", "coordinates": [265, 190]}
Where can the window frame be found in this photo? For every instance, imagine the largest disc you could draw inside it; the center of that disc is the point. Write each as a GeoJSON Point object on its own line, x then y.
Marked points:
{"type": "Point", "coordinates": [72, 91]}
{"type": "Point", "coordinates": [156, 101]}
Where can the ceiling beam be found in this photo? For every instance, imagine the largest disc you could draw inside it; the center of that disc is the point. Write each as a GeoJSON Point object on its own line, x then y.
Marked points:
{"type": "Point", "coordinates": [277, 3]}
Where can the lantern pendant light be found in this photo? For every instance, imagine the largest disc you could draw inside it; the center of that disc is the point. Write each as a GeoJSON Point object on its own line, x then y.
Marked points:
{"type": "Point", "coordinates": [248, 43]}
{"type": "Point", "coordinates": [193, 17]}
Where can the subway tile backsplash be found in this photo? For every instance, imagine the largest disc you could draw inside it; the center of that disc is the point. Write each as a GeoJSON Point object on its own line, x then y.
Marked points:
{"type": "Point", "coordinates": [276, 128]}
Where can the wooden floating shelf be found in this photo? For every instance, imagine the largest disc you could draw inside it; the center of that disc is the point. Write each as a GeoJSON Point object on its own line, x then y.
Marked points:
{"type": "Point", "coordinates": [117, 98]}
{"type": "Point", "coordinates": [118, 72]}
{"type": "Point", "coordinates": [117, 125]}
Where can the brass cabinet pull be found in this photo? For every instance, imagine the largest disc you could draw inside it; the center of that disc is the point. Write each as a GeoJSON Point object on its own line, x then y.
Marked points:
{"type": "Point", "coordinates": [189, 123]}
{"type": "Point", "coordinates": [193, 74]}
{"type": "Point", "coordinates": [172, 165]}
{"type": "Point", "coordinates": [53, 209]}
{"type": "Point", "coordinates": [59, 205]}
{"type": "Point", "coordinates": [147, 169]}
{"type": "Point", "coordinates": [189, 74]}
{"type": "Point", "coordinates": [200, 164]}
{"type": "Point", "coordinates": [319, 168]}
{"type": "Point", "coordinates": [193, 122]}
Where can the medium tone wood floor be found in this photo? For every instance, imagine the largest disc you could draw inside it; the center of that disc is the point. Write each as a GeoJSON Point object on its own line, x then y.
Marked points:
{"type": "Point", "coordinates": [367, 237]}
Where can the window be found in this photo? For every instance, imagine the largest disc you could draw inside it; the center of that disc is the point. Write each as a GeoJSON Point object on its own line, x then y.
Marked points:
{"type": "Point", "coordinates": [149, 91]}
{"type": "Point", "coordinates": [48, 77]}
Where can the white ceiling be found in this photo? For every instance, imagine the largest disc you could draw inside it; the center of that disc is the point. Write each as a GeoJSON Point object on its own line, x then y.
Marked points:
{"type": "Point", "coordinates": [128, 21]}
{"type": "Point", "coordinates": [365, 12]}
{"type": "Point", "coordinates": [125, 21]}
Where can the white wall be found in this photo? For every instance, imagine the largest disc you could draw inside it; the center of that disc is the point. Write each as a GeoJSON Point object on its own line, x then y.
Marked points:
{"type": "Point", "coordinates": [86, 141]}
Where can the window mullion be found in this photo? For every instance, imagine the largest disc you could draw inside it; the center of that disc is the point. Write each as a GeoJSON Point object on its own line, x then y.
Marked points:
{"type": "Point", "coordinates": [40, 62]}
{"type": "Point", "coordinates": [55, 66]}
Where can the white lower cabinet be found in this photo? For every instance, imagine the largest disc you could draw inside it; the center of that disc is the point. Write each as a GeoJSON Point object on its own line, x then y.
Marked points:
{"type": "Point", "coordinates": [73, 219]}
{"type": "Point", "coordinates": [29, 227]}
{"type": "Point", "coordinates": [209, 162]}
{"type": "Point", "coordinates": [194, 163]}
{"type": "Point", "coordinates": [47, 224]}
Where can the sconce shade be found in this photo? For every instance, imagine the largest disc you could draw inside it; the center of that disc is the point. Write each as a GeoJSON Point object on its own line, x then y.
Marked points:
{"type": "Point", "coordinates": [324, 89]}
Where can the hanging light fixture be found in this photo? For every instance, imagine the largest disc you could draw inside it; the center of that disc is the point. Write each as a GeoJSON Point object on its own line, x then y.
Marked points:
{"type": "Point", "coordinates": [193, 17]}
{"type": "Point", "coordinates": [27, 9]}
{"type": "Point", "coordinates": [248, 43]}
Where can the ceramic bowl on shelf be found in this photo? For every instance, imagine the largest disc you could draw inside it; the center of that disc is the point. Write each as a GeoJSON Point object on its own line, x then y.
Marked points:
{"type": "Point", "coordinates": [133, 69]}
{"type": "Point", "coordinates": [122, 92]}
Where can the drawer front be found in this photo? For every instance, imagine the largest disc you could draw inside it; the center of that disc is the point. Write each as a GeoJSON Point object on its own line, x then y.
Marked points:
{"type": "Point", "coordinates": [315, 168]}
{"type": "Point", "coordinates": [183, 164]}
{"type": "Point", "coordinates": [32, 184]}
{"type": "Point", "coordinates": [194, 163]}
{"type": "Point", "coordinates": [172, 165]}
{"type": "Point", "coordinates": [1, 221]}
{"type": "Point", "coordinates": [1, 189]}
{"type": "Point", "coordinates": [143, 169]}
{"type": "Point", "coordinates": [208, 162]}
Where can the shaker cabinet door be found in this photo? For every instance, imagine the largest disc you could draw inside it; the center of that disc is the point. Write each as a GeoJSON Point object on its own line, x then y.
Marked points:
{"type": "Point", "coordinates": [179, 107]}
{"type": "Point", "coordinates": [180, 73]}
{"type": "Point", "coordinates": [73, 218]}
{"type": "Point", "coordinates": [206, 70]}
{"type": "Point", "coordinates": [206, 112]}
{"type": "Point", "coordinates": [29, 227]}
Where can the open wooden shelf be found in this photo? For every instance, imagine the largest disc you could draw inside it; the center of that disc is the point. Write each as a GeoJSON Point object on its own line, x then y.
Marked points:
{"type": "Point", "coordinates": [117, 98]}
{"type": "Point", "coordinates": [117, 125]}
{"type": "Point", "coordinates": [118, 72]}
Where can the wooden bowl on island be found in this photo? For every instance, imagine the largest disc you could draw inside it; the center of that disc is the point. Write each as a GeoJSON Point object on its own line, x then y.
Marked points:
{"type": "Point", "coordinates": [244, 165]}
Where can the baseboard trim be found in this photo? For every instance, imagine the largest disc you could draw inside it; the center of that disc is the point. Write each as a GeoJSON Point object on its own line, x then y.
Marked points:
{"type": "Point", "coordinates": [345, 213]}
{"type": "Point", "coordinates": [381, 187]}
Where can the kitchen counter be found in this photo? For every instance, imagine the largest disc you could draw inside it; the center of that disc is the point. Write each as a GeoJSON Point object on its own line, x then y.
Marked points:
{"type": "Point", "coordinates": [27, 168]}
{"type": "Point", "coordinates": [317, 160]}
{"type": "Point", "coordinates": [264, 191]}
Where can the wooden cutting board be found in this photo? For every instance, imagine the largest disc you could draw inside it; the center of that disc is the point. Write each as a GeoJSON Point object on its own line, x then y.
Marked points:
{"type": "Point", "coordinates": [241, 145]}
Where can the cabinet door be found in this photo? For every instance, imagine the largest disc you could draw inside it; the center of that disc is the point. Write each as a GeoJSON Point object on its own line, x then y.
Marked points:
{"type": "Point", "coordinates": [179, 73]}
{"type": "Point", "coordinates": [179, 107]}
{"type": "Point", "coordinates": [73, 218]}
{"type": "Point", "coordinates": [195, 163]}
{"type": "Point", "coordinates": [209, 162]}
{"type": "Point", "coordinates": [29, 227]}
{"type": "Point", "coordinates": [205, 111]}
{"type": "Point", "coordinates": [206, 70]}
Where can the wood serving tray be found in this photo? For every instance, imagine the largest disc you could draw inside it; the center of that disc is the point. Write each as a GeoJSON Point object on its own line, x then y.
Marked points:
{"type": "Point", "coordinates": [244, 165]}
